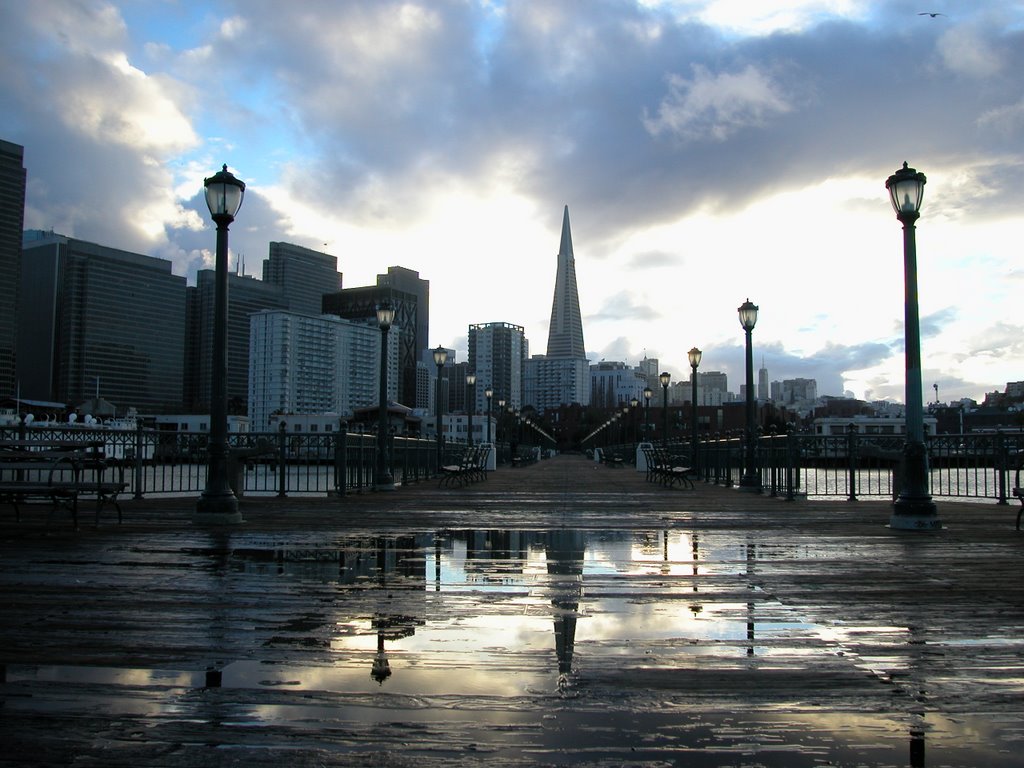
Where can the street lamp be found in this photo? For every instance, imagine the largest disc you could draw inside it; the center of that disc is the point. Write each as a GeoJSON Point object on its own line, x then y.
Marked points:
{"type": "Point", "coordinates": [694, 356]}
{"type": "Point", "coordinates": [218, 504]}
{"type": "Point", "coordinates": [914, 509]}
{"type": "Point", "coordinates": [750, 481]}
{"type": "Point", "coordinates": [633, 403]}
{"type": "Point", "coordinates": [488, 393]}
{"type": "Point", "coordinates": [648, 394]}
{"type": "Point", "coordinates": [440, 358]}
{"type": "Point", "coordinates": [664, 378]}
{"type": "Point", "coordinates": [501, 417]}
{"type": "Point", "coordinates": [383, 480]}
{"type": "Point", "coordinates": [470, 404]}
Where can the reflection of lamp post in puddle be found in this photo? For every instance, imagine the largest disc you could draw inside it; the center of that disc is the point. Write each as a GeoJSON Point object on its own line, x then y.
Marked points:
{"type": "Point", "coordinates": [751, 556]}
{"type": "Point", "coordinates": [564, 551]}
{"type": "Point", "coordinates": [389, 628]}
{"type": "Point", "coordinates": [695, 607]}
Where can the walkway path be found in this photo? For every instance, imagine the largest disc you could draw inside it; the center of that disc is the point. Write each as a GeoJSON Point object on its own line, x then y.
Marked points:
{"type": "Point", "coordinates": [561, 613]}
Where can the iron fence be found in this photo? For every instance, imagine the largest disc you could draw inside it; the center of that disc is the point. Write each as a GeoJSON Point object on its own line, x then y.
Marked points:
{"type": "Point", "coordinates": [851, 466]}
{"type": "Point", "coordinates": [969, 466]}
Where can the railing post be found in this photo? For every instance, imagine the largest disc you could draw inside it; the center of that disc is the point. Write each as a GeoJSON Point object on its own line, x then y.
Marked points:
{"type": "Point", "coordinates": [138, 461]}
{"type": "Point", "coordinates": [851, 462]}
{"type": "Point", "coordinates": [773, 460]}
{"type": "Point", "coordinates": [340, 444]}
{"type": "Point", "coordinates": [792, 452]}
{"type": "Point", "coordinates": [282, 461]}
{"type": "Point", "coordinates": [1002, 466]}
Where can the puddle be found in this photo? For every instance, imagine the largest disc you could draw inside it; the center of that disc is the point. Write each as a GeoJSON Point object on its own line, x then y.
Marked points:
{"type": "Point", "coordinates": [547, 644]}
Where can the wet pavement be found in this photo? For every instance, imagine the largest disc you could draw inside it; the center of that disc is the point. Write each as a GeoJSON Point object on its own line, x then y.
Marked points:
{"type": "Point", "coordinates": [559, 614]}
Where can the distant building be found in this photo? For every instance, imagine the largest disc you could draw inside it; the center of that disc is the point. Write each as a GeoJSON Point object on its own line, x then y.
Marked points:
{"type": "Point", "coordinates": [12, 217]}
{"type": "Point", "coordinates": [562, 377]}
{"type": "Point", "coordinates": [565, 334]}
{"type": "Point", "coordinates": [650, 371]}
{"type": "Point", "coordinates": [713, 388]}
{"type": "Point", "coordinates": [497, 353]}
{"type": "Point", "coordinates": [303, 275]}
{"type": "Point", "coordinates": [360, 304]}
{"type": "Point", "coordinates": [409, 281]}
{"type": "Point", "coordinates": [98, 320]}
{"type": "Point", "coordinates": [799, 392]}
{"type": "Point", "coordinates": [615, 384]}
{"type": "Point", "coordinates": [246, 296]}
{"type": "Point", "coordinates": [551, 382]}
{"type": "Point", "coordinates": [314, 364]}
{"type": "Point", "coordinates": [763, 392]}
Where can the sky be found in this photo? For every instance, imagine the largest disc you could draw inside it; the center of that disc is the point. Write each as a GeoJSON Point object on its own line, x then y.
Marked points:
{"type": "Point", "coordinates": [709, 151]}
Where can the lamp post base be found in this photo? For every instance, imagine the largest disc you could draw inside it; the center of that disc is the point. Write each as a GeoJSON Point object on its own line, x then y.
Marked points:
{"type": "Point", "coordinates": [384, 483]}
{"type": "Point", "coordinates": [217, 510]}
{"type": "Point", "coordinates": [915, 514]}
{"type": "Point", "coordinates": [750, 484]}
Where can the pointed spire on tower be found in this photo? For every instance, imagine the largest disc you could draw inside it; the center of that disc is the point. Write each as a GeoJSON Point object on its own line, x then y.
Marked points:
{"type": "Point", "coordinates": [565, 333]}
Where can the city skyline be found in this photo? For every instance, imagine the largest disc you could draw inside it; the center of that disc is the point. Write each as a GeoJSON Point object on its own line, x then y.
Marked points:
{"type": "Point", "coordinates": [705, 158]}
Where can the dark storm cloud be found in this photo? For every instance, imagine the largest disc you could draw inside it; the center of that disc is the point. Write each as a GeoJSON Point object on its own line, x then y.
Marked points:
{"type": "Point", "coordinates": [634, 116]}
{"type": "Point", "coordinates": [631, 114]}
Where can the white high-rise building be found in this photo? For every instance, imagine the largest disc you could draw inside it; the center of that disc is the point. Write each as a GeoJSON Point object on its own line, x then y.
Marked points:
{"type": "Point", "coordinates": [551, 382]}
{"type": "Point", "coordinates": [497, 352]}
{"type": "Point", "coordinates": [311, 364]}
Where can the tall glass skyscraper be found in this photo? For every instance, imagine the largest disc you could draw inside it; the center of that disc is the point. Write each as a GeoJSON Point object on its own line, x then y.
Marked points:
{"type": "Point", "coordinates": [95, 318]}
{"type": "Point", "coordinates": [12, 217]}
{"type": "Point", "coordinates": [565, 333]}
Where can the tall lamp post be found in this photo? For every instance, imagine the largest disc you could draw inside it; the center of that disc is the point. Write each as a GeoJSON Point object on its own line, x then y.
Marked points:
{"type": "Point", "coordinates": [694, 356]}
{"type": "Point", "coordinates": [648, 394]}
{"type": "Point", "coordinates": [440, 358]}
{"type": "Point", "coordinates": [914, 508]}
{"type": "Point", "coordinates": [750, 481]}
{"type": "Point", "coordinates": [633, 403]}
{"type": "Point", "coordinates": [383, 480]}
{"type": "Point", "coordinates": [664, 378]}
{"type": "Point", "coordinates": [501, 418]}
{"type": "Point", "coordinates": [488, 393]}
{"type": "Point", "coordinates": [218, 504]}
{"type": "Point", "coordinates": [470, 405]}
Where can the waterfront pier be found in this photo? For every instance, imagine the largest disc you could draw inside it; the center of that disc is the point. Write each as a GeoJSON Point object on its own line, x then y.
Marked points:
{"type": "Point", "coordinates": [559, 613]}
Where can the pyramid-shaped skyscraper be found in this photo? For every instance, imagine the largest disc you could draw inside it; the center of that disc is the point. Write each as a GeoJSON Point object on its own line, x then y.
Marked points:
{"type": "Point", "coordinates": [565, 334]}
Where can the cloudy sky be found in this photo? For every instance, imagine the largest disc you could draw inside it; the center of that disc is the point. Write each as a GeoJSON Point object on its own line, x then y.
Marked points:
{"type": "Point", "coordinates": [708, 150]}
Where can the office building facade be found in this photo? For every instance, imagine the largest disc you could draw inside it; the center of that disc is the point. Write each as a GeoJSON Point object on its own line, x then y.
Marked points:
{"type": "Point", "coordinates": [551, 382]}
{"type": "Point", "coordinates": [497, 353]}
{"type": "Point", "coordinates": [360, 305]}
{"type": "Point", "coordinates": [100, 320]}
{"type": "Point", "coordinates": [314, 364]}
{"type": "Point", "coordinates": [303, 275]}
{"type": "Point", "coordinates": [12, 218]}
{"type": "Point", "coordinates": [246, 296]}
{"type": "Point", "coordinates": [614, 384]}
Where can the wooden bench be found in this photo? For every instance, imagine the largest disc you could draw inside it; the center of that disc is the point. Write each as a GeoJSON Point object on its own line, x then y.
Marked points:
{"type": "Point", "coordinates": [661, 468]}
{"type": "Point", "coordinates": [610, 459]}
{"type": "Point", "coordinates": [58, 472]}
{"type": "Point", "coordinates": [471, 467]}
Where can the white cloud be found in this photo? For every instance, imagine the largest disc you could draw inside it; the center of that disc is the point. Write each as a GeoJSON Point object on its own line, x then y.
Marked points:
{"type": "Point", "coordinates": [716, 106]}
{"type": "Point", "coordinates": [965, 50]}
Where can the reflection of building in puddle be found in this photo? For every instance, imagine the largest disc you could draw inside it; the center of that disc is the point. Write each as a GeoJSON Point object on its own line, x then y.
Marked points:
{"type": "Point", "coordinates": [348, 560]}
{"type": "Point", "coordinates": [496, 557]}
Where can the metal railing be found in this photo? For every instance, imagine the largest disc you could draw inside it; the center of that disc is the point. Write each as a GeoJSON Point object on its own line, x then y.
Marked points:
{"type": "Point", "coordinates": [174, 463]}
{"type": "Point", "coordinates": [790, 465]}
{"type": "Point", "coordinates": [969, 466]}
